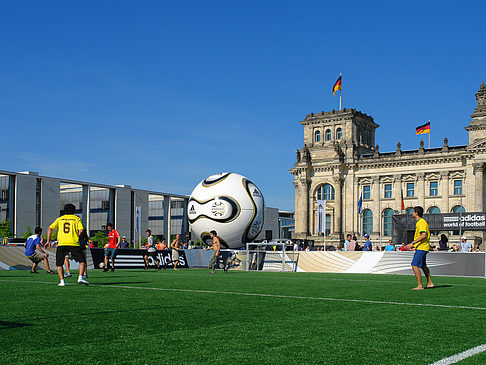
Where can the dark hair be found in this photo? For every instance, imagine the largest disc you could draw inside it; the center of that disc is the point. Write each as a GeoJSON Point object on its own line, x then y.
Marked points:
{"type": "Point", "coordinates": [348, 235]}
{"type": "Point", "coordinates": [443, 238]}
{"type": "Point", "coordinates": [355, 238]}
{"type": "Point", "coordinates": [109, 225]}
{"type": "Point", "coordinates": [38, 230]}
{"type": "Point", "coordinates": [213, 232]}
{"type": "Point", "coordinates": [419, 210]}
{"type": "Point", "coordinates": [149, 231]}
{"type": "Point", "coordinates": [69, 209]}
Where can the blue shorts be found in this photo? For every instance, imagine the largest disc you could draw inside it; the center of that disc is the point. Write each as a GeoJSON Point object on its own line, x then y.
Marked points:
{"type": "Point", "coordinates": [110, 252]}
{"type": "Point", "coordinates": [419, 258]}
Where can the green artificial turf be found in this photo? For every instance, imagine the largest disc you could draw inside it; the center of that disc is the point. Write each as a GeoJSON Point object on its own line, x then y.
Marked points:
{"type": "Point", "coordinates": [204, 318]}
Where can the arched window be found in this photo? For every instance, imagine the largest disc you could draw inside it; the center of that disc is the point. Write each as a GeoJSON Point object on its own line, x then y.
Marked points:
{"type": "Point", "coordinates": [367, 221]}
{"type": "Point", "coordinates": [433, 210]}
{"type": "Point", "coordinates": [328, 134]}
{"type": "Point", "coordinates": [339, 133]}
{"type": "Point", "coordinates": [387, 221]}
{"type": "Point", "coordinates": [317, 136]}
{"type": "Point", "coordinates": [458, 209]}
{"type": "Point", "coordinates": [325, 192]}
{"type": "Point", "coordinates": [409, 211]}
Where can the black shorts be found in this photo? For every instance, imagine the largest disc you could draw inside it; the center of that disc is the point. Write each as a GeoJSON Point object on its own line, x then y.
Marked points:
{"type": "Point", "coordinates": [152, 254]}
{"type": "Point", "coordinates": [75, 251]}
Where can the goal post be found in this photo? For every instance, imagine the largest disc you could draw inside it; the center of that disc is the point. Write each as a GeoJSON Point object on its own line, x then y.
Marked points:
{"type": "Point", "coordinates": [271, 256]}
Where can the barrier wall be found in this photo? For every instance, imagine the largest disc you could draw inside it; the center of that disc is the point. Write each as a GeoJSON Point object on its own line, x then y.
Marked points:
{"type": "Point", "coordinates": [440, 263]}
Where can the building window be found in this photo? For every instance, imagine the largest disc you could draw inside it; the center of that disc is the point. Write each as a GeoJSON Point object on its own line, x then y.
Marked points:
{"type": "Point", "coordinates": [366, 192]}
{"type": "Point", "coordinates": [409, 211]}
{"type": "Point", "coordinates": [105, 205]}
{"type": "Point", "coordinates": [433, 210]}
{"type": "Point", "coordinates": [317, 137]}
{"type": "Point", "coordinates": [388, 190]}
{"type": "Point", "coordinates": [367, 221]}
{"type": "Point", "coordinates": [328, 224]}
{"type": "Point", "coordinates": [457, 187]}
{"type": "Point", "coordinates": [434, 188]}
{"type": "Point", "coordinates": [458, 209]}
{"type": "Point", "coordinates": [4, 194]}
{"type": "Point", "coordinates": [325, 192]}
{"type": "Point", "coordinates": [410, 189]}
{"type": "Point", "coordinates": [328, 134]}
{"type": "Point", "coordinates": [339, 133]}
{"type": "Point", "coordinates": [387, 222]}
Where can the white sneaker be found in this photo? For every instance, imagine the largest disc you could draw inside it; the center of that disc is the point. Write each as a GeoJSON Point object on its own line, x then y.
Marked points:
{"type": "Point", "coordinates": [61, 284]}
{"type": "Point", "coordinates": [82, 281]}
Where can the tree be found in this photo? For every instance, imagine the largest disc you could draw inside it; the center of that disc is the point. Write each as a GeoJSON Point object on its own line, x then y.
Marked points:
{"type": "Point", "coordinates": [5, 229]}
{"type": "Point", "coordinates": [27, 233]}
{"type": "Point", "coordinates": [101, 238]}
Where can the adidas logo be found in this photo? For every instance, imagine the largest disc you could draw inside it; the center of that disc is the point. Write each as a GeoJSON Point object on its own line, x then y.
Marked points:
{"type": "Point", "coordinates": [256, 193]}
{"type": "Point", "coordinates": [192, 210]}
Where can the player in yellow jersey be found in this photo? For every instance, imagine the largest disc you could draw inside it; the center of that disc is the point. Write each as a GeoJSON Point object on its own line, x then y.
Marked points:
{"type": "Point", "coordinates": [421, 242]}
{"type": "Point", "coordinates": [69, 227]}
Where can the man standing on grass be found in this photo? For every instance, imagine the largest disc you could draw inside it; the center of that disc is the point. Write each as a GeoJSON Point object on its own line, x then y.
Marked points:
{"type": "Point", "coordinates": [69, 227]}
{"type": "Point", "coordinates": [32, 243]}
{"type": "Point", "coordinates": [214, 257]}
{"type": "Point", "coordinates": [113, 244]}
{"type": "Point", "coordinates": [421, 242]}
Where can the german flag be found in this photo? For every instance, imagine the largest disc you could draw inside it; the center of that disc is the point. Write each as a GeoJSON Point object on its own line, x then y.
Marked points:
{"type": "Point", "coordinates": [338, 85]}
{"type": "Point", "coordinates": [423, 129]}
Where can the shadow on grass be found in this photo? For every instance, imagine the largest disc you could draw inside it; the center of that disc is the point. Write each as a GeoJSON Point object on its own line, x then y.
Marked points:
{"type": "Point", "coordinates": [6, 325]}
{"type": "Point", "coordinates": [123, 283]}
{"type": "Point", "coordinates": [441, 286]}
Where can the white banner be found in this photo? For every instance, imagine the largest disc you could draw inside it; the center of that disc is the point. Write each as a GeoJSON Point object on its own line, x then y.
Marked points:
{"type": "Point", "coordinates": [138, 213]}
{"type": "Point", "coordinates": [321, 216]}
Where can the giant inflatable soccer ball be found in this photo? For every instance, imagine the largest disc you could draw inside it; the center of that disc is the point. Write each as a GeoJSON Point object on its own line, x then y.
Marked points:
{"type": "Point", "coordinates": [231, 205]}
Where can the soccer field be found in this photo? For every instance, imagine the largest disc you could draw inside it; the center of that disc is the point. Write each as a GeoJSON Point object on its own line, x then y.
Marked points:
{"type": "Point", "coordinates": [190, 316]}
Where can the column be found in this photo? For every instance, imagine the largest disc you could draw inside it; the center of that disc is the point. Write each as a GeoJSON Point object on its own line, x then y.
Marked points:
{"type": "Point", "coordinates": [338, 204]}
{"type": "Point", "coordinates": [86, 208]}
{"type": "Point", "coordinates": [421, 189]}
{"type": "Point", "coordinates": [444, 176]}
{"type": "Point", "coordinates": [397, 193]}
{"type": "Point", "coordinates": [478, 187]}
{"type": "Point", "coordinates": [376, 205]}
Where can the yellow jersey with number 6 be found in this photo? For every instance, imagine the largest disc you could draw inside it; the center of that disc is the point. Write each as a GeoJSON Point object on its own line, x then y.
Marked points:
{"type": "Point", "coordinates": [68, 228]}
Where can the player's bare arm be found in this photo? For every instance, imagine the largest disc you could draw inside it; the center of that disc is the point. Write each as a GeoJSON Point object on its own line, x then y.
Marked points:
{"type": "Point", "coordinates": [49, 233]}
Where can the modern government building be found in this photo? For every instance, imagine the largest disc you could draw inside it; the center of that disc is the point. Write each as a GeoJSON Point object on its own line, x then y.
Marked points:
{"type": "Point", "coordinates": [341, 162]}
{"type": "Point", "coordinates": [28, 199]}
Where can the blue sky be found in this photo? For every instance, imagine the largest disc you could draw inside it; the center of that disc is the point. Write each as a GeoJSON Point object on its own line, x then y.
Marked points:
{"type": "Point", "coordinates": [161, 94]}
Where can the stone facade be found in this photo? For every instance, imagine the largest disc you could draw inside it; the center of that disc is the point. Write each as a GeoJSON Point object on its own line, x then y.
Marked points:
{"type": "Point", "coordinates": [340, 161]}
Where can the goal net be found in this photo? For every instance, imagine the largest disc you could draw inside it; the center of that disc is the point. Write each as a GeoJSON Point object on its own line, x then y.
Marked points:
{"type": "Point", "coordinates": [271, 256]}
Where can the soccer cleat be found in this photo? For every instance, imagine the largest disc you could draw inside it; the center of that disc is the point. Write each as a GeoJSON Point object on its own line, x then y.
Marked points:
{"type": "Point", "coordinates": [82, 281]}
{"type": "Point", "coordinates": [145, 268]}
{"type": "Point", "coordinates": [225, 269]}
{"type": "Point", "coordinates": [213, 272]}
{"type": "Point", "coordinates": [61, 284]}
{"type": "Point", "coordinates": [67, 275]}
{"type": "Point", "coordinates": [105, 269]}
{"type": "Point", "coordinates": [34, 272]}
{"type": "Point", "coordinates": [112, 269]}
{"type": "Point", "coordinates": [50, 272]}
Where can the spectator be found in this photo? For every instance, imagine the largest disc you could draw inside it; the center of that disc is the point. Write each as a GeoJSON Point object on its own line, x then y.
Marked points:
{"type": "Point", "coordinates": [465, 245]}
{"type": "Point", "coordinates": [346, 242]}
{"type": "Point", "coordinates": [124, 243]}
{"type": "Point", "coordinates": [390, 246]}
{"type": "Point", "coordinates": [443, 243]}
{"type": "Point", "coordinates": [161, 245]}
{"type": "Point", "coordinates": [352, 244]}
{"type": "Point", "coordinates": [367, 245]}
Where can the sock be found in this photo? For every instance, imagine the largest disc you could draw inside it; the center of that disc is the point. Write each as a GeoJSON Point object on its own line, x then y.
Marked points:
{"type": "Point", "coordinates": [80, 277]}
{"type": "Point", "coordinates": [62, 281]}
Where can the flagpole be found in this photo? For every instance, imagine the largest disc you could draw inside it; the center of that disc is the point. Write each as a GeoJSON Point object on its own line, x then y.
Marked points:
{"type": "Point", "coordinates": [429, 134]}
{"type": "Point", "coordinates": [340, 90]}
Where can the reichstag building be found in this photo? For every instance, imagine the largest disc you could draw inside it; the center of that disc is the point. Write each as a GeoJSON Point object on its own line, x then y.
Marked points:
{"type": "Point", "coordinates": [340, 162]}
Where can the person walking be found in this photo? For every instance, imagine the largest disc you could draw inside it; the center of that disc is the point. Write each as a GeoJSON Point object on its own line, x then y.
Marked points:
{"type": "Point", "coordinates": [214, 257]}
{"type": "Point", "coordinates": [113, 244]}
{"type": "Point", "coordinates": [176, 245]}
{"type": "Point", "coordinates": [33, 243]}
{"type": "Point", "coordinates": [69, 227]}
{"type": "Point", "coordinates": [421, 242]}
{"type": "Point", "coordinates": [150, 251]}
